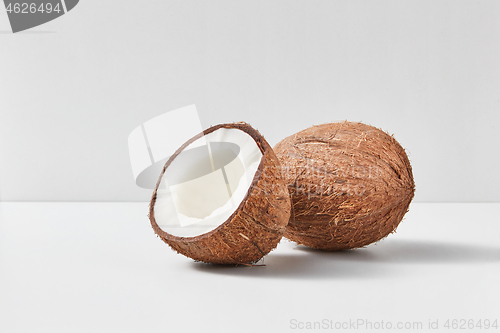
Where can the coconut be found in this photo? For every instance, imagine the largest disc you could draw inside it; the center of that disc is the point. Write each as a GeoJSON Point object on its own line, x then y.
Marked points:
{"type": "Point", "coordinates": [350, 185]}
{"type": "Point", "coordinates": [221, 197]}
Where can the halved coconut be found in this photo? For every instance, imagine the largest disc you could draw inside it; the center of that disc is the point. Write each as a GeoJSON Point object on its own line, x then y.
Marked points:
{"type": "Point", "coordinates": [221, 198]}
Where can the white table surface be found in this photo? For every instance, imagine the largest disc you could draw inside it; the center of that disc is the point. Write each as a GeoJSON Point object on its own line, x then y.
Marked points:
{"type": "Point", "coordinates": [98, 267]}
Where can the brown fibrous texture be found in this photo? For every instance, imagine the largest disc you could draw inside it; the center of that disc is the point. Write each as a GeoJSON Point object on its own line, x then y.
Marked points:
{"type": "Point", "coordinates": [350, 185]}
{"type": "Point", "coordinates": [254, 229]}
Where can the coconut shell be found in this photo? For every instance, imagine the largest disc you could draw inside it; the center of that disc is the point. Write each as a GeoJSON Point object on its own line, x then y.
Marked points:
{"type": "Point", "coordinates": [350, 185]}
{"type": "Point", "coordinates": [257, 225]}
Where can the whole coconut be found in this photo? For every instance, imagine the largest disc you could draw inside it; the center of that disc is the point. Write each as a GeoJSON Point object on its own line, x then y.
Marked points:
{"type": "Point", "coordinates": [350, 185]}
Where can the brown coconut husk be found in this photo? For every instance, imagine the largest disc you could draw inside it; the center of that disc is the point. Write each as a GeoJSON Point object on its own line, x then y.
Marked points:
{"type": "Point", "coordinates": [257, 225]}
{"type": "Point", "coordinates": [350, 185]}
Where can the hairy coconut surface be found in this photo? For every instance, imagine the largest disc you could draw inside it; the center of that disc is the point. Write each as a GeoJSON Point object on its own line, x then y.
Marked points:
{"type": "Point", "coordinates": [350, 185]}
{"type": "Point", "coordinates": [255, 225]}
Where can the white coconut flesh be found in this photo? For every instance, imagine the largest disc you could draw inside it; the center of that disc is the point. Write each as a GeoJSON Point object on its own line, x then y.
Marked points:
{"type": "Point", "coordinates": [205, 184]}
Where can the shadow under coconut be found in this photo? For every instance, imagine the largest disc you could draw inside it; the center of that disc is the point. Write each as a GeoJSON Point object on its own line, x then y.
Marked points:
{"type": "Point", "coordinates": [306, 265]}
{"type": "Point", "coordinates": [424, 252]}
{"type": "Point", "coordinates": [373, 261]}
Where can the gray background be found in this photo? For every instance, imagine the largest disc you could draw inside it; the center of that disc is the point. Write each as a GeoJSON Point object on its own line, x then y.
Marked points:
{"type": "Point", "coordinates": [73, 89]}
